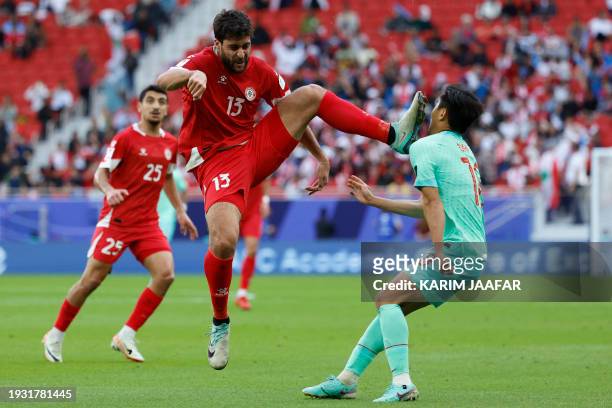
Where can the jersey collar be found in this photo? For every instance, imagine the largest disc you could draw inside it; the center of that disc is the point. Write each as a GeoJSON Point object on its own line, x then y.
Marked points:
{"type": "Point", "coordinates": [137, 128]}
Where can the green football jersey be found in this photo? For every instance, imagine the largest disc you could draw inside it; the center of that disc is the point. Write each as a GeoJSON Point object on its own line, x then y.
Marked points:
{"type": "Point", "coordinates": [445, 161]}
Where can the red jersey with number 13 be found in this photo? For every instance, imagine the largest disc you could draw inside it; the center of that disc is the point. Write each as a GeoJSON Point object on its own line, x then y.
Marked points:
{"type": "Point", "coordinates": [225, 115]}
{"type": "Point", "coordinates": [138, 163]}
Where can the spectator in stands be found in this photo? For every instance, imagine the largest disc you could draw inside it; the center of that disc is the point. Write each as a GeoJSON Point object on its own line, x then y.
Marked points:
{"type": "Point", "coordinates": [14, 33]}
{"type": "Point", "coordinates": [61, 101]}
{"type": "Point", "coordinates": [130, 64]}
{"type": "Point", "coordinates": [600, 26]}
{"type": "Point", "coordinates": [578, 34]}
{"type": "Point", "coordinates": [315, 4]}
{"type": "Point", "coordinates": [547, 9]}
{"type": "Point", "coordinates": [8, 7]}
{"type": "Point", "coordinates": [290, 54]}
{"type": "Point", "coordinates": [34, 38]}
{"type": "Point", "coordinates": [17, 178]}
{"type": "Point", "coordinates": [576, 182]}
{"type": "Point", "coordinates": [324, 226]}
{"type": "Point", "coordinates": [401, 20]}
{"type": "Point", "coordinates": [8, 113]}
{"type": "Point", "coordinates": [489, 10]}
{"type": "Point", "coordinates": [84, 69]}
{"type": "Point", "coordinates": [76, 16]}
{"type": "Point", "coordinates": [260, 4]}
{"type": "Point", "coordinates": [278, 4]}
{"type": "Point", "coordinates": [260, 34]}
{"type": "Point", "coordinates": [36, 95]}
{"type": "Point", "coordinates": [423, 23]}
{"type": "Point", "coordinates": [149, 16]}
{"type": "Point", "coordinates": [44, 115]}
{"type": "Point", "coordinates": [509, 9]}
{"type": "Point", "coordinates": [347, 21]}
{"type": "Point", "coordinates": [310, 24]}
{"type": "Point", "coordinates": [4, 137]}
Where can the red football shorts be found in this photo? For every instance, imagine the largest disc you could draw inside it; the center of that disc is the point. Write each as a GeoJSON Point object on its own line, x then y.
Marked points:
{"type": "Point", "coordinates": [228, 175]}
{"type": "Point", "coordinates": [108, 243]}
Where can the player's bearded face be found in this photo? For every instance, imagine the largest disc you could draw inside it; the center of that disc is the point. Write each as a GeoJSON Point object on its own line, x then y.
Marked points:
{"type": "Point", "coordinates": [234, 53]}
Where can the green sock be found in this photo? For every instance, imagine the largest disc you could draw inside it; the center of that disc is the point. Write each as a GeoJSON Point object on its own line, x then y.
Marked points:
{"type": "Point", "coordinates": [394, 330]}
{"type": "Point", "coordinates": [369, 345]}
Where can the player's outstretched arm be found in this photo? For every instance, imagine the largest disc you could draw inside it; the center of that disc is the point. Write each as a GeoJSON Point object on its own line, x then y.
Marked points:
{"type": "Point", "coordinates": [113, 196]}
{"type": "Point", "coordinates": [363, 194]}
{"type": "Point", "coordinates": [176, 78]}
{"type": "Point", "coordinates": [186, 225]}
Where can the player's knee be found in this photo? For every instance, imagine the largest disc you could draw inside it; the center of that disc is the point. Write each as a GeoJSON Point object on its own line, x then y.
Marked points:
{"type": "Point", "coordinates": [223, 247]}
{"type": "Point", "coordinates": [313, 94]}
{"type": "Point", "coordinates": [166, 276]}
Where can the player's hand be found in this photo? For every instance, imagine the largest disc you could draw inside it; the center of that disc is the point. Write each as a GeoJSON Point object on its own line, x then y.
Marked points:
{"type": "Point", "coordinates": [116, 196]}
{"type": "Point", "coordinates": [360, 190]}
{"type": "Point", "coordinates": [322, 177]}
{"type": "Point", "coordinates": [186, 225]}
{"type": "Point", "coordinates": [197, 84]}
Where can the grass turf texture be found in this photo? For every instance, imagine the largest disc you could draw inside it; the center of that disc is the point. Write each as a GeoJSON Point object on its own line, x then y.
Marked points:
{"type": "Point", "coordinates": [300, 330]}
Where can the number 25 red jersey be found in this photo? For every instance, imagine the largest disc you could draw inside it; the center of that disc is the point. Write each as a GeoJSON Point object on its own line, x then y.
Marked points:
{"type": "Point", "coordinates": [138, 163]}
{"type": "Point", "coordinates": [225, 115]}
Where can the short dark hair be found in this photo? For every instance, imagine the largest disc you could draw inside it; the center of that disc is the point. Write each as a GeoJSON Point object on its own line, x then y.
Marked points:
{"type": "Point", "coordinates": [232, 24]}
{"type": "Point", "coordinates": [462, 107]}
{"type": "Point", "coordinates": [151, 88]}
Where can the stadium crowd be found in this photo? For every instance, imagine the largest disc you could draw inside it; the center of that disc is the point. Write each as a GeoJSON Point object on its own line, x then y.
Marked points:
{"type": "Point", "coordinates": [22, 31]}
{"type": "Point", "coordinates": [544, 91]}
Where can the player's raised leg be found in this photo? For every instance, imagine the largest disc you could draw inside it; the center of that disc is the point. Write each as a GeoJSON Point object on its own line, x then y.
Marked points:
{"type": "Point", "coordinates": [223, 219]}
{"type": "Point", "coordinates": [95, 272]}
{"type": "Point", "coordinates": [161, 267]}
{"type": "Point", "coordinates": [297, 110]}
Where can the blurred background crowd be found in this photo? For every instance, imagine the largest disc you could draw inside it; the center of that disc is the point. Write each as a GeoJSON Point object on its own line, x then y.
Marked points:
{"type": "Point", "coordinates": [541, 67]}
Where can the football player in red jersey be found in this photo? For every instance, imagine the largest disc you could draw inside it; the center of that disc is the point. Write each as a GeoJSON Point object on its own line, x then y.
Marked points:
{"type": "Point", "coordinates": [137, 165]}
{"type": "Point", "coordinates": [257, 209]}
{"type": "Point", "coordinates": [228, 153]}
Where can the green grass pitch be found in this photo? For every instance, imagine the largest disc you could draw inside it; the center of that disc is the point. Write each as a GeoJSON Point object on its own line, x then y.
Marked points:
{"type": "Point", "coordinates": [300, 330]}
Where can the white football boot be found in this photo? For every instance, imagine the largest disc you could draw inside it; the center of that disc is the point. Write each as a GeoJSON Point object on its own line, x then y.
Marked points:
{"type": "Point", "coordinates": [127, 345]}
{"type": "Point", "coordinates": [218, 348]}
{"type": "Point", "coordinates": [52, 344]}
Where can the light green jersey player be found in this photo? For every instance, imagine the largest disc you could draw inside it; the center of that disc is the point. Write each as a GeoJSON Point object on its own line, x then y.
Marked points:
{"type": "Point", "coordinates": [167, 213]}
{"type": "Point", "coordinates": [451, 203]}
{"type": "Point", "coordinates": [446, 162]}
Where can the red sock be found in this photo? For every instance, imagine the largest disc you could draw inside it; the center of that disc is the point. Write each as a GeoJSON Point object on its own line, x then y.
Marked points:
{"type": "Point", "coordinates": [65, 316]}
{"type": "Point", "coordinates": [219, 276]}
{"type": "Point", "coordinates": [145, 306]}
{"type": "Point", "coordinates": [346, 117]}
{"type": "Point", "coordinates": [248, 268]}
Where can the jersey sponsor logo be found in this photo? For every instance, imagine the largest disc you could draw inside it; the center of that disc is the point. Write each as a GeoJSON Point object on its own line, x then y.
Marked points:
{"type": "Point", "coordinates": [167, 154]}
{"type": "Point", "coordinates": [143, 152]}
{"type": "Point", "coordinates": [222, 80]}
{"type": "Point", "coordinates": [250, 94]}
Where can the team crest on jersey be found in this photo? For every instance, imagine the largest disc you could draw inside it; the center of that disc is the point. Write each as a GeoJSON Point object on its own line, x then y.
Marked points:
{"type": "Point", "coordinates": [222, 80]}
{"type": "Point", "coordinates": [462, 147]}
{"type": "Point", "coordinates": [143, 152]}
{"type": "Point", "coordinates": [250, 94]}
{"type": "Point", "coordinates": [167, 154]}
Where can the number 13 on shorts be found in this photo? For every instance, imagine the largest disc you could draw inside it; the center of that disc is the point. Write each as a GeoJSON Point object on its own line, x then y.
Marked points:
{"type": "Point", "coordinates": [221, 181]}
